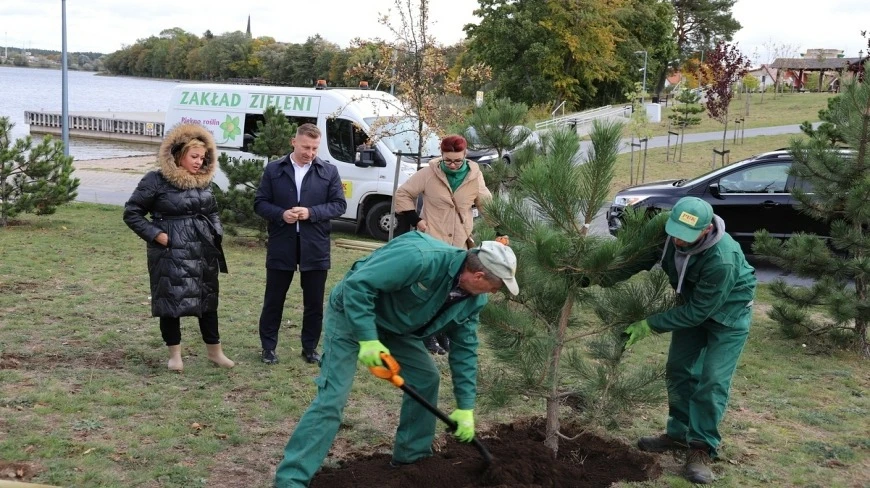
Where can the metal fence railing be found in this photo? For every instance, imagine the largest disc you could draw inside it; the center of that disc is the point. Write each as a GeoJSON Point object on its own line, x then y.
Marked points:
{"type": "Point", "coordinates": [582, 121]}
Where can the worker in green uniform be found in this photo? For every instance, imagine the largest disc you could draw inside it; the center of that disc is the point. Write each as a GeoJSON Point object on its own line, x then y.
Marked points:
{"type": "Point", "coordinates": [709, 328]}
{"type": "Point", "coordinates": [411, 288]}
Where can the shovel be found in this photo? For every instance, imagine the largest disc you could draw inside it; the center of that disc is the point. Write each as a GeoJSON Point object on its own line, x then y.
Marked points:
{"type": "Point", "coordinates": [390, 372]}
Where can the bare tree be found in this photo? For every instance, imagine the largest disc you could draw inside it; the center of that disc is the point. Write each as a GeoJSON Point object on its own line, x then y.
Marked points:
{"type": "Point", "coordinates": [417, 72]}
{"type": "Point", "coordinates": [776, 51]}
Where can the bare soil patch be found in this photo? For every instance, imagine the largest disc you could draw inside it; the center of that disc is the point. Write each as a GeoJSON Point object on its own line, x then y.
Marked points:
{"type": "Point", "coordinates": [521, 461]}
{"type": "Point", "coordinates": [18, 287]}
{"type": "Point", "coordinates": [98, 359]}
{"type": "Point", "coordinates": [17, 471]}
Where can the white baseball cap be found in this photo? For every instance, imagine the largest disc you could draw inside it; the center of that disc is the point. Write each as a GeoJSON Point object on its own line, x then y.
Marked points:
{"type": "Point", "coordinates": [500, 260]}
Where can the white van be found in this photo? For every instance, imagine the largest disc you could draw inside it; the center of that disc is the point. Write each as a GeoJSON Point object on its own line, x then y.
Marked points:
{"type": "Point", "coordinates": [346, 117]}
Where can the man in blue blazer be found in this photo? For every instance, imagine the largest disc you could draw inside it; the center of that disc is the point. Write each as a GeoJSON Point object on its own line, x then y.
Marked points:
{"type": "Point", "coordinates": [298, 195]}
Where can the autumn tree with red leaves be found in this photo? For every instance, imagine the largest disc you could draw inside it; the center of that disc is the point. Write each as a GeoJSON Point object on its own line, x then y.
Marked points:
{"type": "Point", "coordinates": [725, 65]}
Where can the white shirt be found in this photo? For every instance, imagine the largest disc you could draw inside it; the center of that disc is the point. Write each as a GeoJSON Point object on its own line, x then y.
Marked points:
{"type": "Point", "coordinates": [298, 174]}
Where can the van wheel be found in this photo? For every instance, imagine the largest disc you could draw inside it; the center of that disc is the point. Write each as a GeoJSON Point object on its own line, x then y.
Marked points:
{"type": "Point", "coordinates": [379, 219]}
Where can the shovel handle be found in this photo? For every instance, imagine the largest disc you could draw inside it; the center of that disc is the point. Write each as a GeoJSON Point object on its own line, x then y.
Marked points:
{"type": "Point", "coordinates": [484, 452]}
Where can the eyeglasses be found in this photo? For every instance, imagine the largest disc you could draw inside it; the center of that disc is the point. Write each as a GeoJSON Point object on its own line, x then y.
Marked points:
{"type": "Point", "coordinates": [453, 161]}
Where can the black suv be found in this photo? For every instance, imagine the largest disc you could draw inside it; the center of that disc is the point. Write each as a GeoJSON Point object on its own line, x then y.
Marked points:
{"type": "Point", "coordinates": [749, 195]}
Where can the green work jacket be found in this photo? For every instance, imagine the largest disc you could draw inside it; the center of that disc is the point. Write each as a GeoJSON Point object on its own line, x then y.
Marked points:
{"type": "Point", "coordinates": [399, 290]}
{"type": "Point", "coordinates": [718, 285]}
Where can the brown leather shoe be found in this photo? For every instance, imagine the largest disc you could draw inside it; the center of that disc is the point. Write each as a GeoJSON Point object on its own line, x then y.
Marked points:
{"type": "Point", "coordinates": [660, 443]}
{"type": "Point", "coordinates": [697, 469]}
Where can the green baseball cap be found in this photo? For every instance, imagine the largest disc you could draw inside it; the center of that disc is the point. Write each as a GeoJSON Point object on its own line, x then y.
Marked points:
{"type": "Point", "coordinates": [689, 217]}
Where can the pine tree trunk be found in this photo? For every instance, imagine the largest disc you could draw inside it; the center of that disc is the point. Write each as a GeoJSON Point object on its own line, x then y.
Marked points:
{"type": "Point", "coordinates": [860, 281]}
{"type": "Point", "coordinates": [863, 342]}
{"type": "Point", "coordinates": [553, 399]}
{"type": "Point", "coordinates": [861, 330]}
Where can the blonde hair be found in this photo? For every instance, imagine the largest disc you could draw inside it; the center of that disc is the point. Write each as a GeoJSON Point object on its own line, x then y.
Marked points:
{"type": "Point", "coordinates": [309, 130]}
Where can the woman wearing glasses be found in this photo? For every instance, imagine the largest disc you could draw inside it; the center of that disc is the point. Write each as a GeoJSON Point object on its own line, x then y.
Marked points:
{"type": "Point", "coordinates": [450, 186]}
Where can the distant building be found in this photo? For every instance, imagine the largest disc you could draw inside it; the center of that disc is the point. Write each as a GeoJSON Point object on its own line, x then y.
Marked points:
{"type": "Point", "coordinates": [823, 53]}
{"type": "Point", "coordinates": [248, 31]}
{"type": "Point", "coordinates": [674, 79]}
{"type": "Point", "coordinates": [765, 74]}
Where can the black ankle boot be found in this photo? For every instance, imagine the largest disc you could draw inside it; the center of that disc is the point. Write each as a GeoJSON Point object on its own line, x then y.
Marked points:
{"type": "Point", "coordinates": [433, 346]}
{"type": "Point", "coordinates": [697, 469]}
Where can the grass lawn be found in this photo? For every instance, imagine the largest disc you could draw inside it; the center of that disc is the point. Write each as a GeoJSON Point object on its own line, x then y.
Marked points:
{"type": "Point", "coordinates": [785, 109]}
{"type": "Point", "coordinates": [86, 400]}
{"type": "Point", "coordinates": [696, 159]}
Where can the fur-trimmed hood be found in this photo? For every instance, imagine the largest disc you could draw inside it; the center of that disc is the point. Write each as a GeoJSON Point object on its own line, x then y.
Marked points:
{"type": "Point", "coordinates": [175, 139]}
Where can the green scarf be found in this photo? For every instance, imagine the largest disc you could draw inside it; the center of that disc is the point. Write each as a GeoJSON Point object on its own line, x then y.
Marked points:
{"type": "Point", "coordinates": [455, 176]}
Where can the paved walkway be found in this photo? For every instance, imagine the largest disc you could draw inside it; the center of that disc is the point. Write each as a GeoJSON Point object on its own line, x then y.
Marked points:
{"type": "Point", "coordinates": [112, 180]}
{"type": "Point", "coordinates": [662, 141]}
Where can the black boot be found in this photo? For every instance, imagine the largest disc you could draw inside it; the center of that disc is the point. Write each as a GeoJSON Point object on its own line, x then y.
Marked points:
{"type": "Point", "coordinates": [444, 341]}
{"type": "Point", "coordinates": [698, 463]}
{"type": "Point", "coordinates": [660, 443]}
{"type": "Point", "coordinates": [433, 346]}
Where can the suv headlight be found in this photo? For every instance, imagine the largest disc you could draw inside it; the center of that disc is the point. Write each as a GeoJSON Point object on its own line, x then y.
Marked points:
{"type": "Point", "coordinates": [630, 200]}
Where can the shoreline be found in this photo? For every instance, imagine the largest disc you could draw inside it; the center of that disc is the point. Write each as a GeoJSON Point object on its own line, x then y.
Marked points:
{"type": "Point", "coordinates": [122, 164]}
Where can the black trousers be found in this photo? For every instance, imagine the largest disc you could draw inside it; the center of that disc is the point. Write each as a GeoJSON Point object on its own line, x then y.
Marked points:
{"type": "Point", "coordinates": [170, 329]}
{"type": "Point", "coordinates": [313, 288]}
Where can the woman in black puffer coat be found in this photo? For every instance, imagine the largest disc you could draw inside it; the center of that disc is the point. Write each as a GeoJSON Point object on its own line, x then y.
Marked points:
{"type": "Point", "coordinates": [183, 238]}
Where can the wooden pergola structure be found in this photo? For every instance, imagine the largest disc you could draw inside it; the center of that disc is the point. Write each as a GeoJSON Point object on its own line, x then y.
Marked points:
{"type": "Point", "coordinates": [822, 66]}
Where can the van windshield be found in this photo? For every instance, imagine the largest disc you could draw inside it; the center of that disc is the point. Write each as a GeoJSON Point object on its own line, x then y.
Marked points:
{"type": "Point", "coordinates": [400, 134]}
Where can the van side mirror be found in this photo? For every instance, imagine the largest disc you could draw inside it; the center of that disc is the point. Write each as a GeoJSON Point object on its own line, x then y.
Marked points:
{"type": "Point", "coordinates": [714, 190]}
{"type": "Point", "coordinates": [368, 157]}
{"type": "Point", "coordinates": [365, 157]}
{"type": "Point", "coordinates": [380, 162]}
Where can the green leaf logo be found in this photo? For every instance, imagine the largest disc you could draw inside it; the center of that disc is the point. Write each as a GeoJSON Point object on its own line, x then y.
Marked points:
{"type": "Point", "coordinates": [231, 128]}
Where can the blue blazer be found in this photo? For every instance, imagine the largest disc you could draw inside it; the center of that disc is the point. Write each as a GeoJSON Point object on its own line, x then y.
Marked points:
{"type": "Point", "coordinates": [322, 194]}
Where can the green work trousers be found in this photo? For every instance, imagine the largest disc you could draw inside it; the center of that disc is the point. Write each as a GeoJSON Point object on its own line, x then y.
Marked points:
{"type": "Point", "coordinates": [701, 363]}
{"type": "Point", "coordinates": [310, 442]}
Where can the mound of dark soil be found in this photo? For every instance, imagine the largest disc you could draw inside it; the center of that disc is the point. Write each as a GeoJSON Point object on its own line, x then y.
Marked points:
{"type": "Point", "coordinates": [521, 460]}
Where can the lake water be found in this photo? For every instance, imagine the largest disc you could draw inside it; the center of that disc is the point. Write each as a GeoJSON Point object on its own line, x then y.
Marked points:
{"type": "Point", "coordinates": [40, 89]}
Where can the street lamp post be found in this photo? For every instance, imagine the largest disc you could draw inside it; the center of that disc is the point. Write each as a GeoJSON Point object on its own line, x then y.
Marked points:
{"type": "Point", "coordinates": [64, 84]}
{"type": "Point", "coordinates": [642, 95]}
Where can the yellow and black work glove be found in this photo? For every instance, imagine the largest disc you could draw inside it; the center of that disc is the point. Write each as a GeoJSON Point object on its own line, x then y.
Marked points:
{"type": "Point", "coordinates": [370, 353]}
{"type": "Point", "coordinates": [464, 424]}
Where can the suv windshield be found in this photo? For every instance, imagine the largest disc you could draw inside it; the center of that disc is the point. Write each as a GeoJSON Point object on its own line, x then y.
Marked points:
{"type": "Point", "coordinates": [400, 134]}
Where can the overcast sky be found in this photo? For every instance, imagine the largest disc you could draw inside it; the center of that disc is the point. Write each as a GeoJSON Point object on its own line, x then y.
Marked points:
{"type": "Point", "coordinates": [107, 25]}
